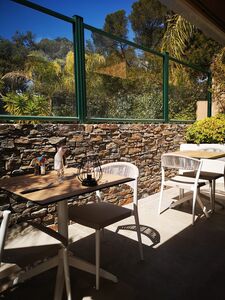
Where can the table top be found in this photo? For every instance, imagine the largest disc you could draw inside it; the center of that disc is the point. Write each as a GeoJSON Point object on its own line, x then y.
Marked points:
{"type": "Point", "coordinates": [201, 154]}
{"type": "Point", "coordinates": [45, 189]}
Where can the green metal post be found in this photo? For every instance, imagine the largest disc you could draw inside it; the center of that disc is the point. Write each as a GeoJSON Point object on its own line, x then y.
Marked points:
{"type": "Point", "coordinates": [79, 67]}
{"type": "Point", "coordinates": [209, 95]}
{"type": "Point", "coordinates": [165, 87]}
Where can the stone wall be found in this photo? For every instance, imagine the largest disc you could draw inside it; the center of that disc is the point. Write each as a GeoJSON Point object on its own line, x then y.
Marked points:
{"type": "Point", "coordinates": [141, 144]}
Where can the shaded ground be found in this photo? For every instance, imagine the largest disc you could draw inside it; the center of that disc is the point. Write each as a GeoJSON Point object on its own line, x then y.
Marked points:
{"type": "Point", "coordinates": [187, 263]}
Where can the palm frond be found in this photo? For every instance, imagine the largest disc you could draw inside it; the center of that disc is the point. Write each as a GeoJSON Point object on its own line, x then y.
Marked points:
{"type": "Point", "coordinates": [177, 36]}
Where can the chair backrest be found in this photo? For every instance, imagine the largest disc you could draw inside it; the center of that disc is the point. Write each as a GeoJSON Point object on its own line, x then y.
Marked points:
{"type": "Point", "coordinates": [213, 166]}
{"type": "Point", "coordinates": [181, 162]}
{"type": "Point", "coordinates": [3, 230]}
{"type": "Point", "coordinates": [124, 169]}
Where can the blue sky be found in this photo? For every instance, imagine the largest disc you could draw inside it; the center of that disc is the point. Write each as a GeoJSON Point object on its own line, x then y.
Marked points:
{"type": "Point", "coordinates": [14, 16]}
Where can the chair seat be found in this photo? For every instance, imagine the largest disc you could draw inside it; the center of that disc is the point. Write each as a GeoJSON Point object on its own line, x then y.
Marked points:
{"type": "Point", "coordinates": [98, 215]}
{"type": "Point", "coordinates": [183, 182]}
{"type": "Point", "coordinates": [205, 175]}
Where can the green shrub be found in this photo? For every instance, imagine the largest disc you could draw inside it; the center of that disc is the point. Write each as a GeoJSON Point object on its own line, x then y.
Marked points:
{"type": "Point", "coordinates": [208, 130]}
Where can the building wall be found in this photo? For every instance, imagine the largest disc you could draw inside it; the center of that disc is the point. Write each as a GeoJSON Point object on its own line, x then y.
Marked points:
{"type": "Point", "coordinates": [141, 144]}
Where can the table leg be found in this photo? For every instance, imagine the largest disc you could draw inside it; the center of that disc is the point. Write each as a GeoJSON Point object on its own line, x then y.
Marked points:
{"type": "Point", "coordinates": [59, 278]}
{"type": "Point", "coordinates": [63, 218]}
{"type": "Point", "coordinates": [90, 268]}
{"type": "Point", "coordinates": [40, 268]}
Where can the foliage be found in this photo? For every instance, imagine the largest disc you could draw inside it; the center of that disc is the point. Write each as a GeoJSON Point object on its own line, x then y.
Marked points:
{"type": "Point", "coordinates": [13, 53]}
{"type": "Point", "coordinates": [68, 72]}
{"type": "Point", "coordinates": [218, 69]}
{"type": "Point", "coordinates": [116, 23]}
{"type": "Point", "coordinates": [15, 81]}
{"type": "Point", "coordinates": [57, 48]}
{"type": "Point", "coordinates": [184, 92]}
{"type": "Point", "coordinates": [121, 81]}
{"type": "Point", "coordinates": [208, 130]}
{"type": "Point", "coordinates": [148, 22]}
{"type": "Point", "coordinates": [63, 103]}
{"type": "Point", "coordinates": [130, 97]}
{"type": "Point", "coordinates": [177, 36]}
{"type": "Point", "coordinates": [26, 104]}
{"type": "Point", "coordinates": [200, 50]}
{"type": "Point", "coordinates": [47, 75]}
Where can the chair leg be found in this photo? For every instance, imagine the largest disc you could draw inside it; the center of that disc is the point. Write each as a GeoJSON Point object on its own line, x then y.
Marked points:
{"type": "Point", "coordinates": [138, 231]}
{"type": "Point", "coordinates": [181, 194]}
{"type": "Point", "coordinates": [193, 206]}
{"type": "Point", "coordinates": [97, 257]}
{"type": "Point", "coordinates": [67, 274]}
{"type": "Point", "coordinates": [160, 199]}
{"type": "Point", "coordinates": [202, 206]}
{"type": "Point", "coordinates": [213, 195]}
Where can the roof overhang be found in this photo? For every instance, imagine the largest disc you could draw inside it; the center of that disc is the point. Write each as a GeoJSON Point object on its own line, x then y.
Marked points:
{"type": "Point", "coordinates": [207, 15]}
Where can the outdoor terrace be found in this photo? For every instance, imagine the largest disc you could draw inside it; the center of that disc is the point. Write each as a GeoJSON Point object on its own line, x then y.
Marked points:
{"type": "Point", "coordinates": [181, 261]}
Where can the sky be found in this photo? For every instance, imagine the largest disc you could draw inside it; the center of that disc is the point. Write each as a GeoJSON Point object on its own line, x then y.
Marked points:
{"type": "Point", "coordinates": [14, 16]}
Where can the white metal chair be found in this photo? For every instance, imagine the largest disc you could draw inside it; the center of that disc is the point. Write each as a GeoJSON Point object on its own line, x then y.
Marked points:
{"type": "Point", "coordinates": [100, 214]}
{"type": "Point", "coordinates": [211, 170]}
{"type": "Point", "coordinates": [219, 150]}
{"type": "Point", "coordinates": [10, 261]}
{"type": "Point", "coordinates": [170, 161]}
{"type": "Point", "coordinates": [3, 230]}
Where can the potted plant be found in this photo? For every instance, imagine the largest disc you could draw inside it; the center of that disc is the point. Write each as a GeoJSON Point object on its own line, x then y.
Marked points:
{"type": "Point", "coordinates": [208, 133]}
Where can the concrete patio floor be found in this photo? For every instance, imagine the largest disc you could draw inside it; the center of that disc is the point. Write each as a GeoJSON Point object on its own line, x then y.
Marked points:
{"type": "Point", "coordinates": [181, 261]}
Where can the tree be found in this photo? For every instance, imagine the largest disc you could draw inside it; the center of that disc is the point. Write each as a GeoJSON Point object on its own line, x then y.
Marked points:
{"type": "Point", "coordinates": [177, 36]}
{"type": "Point", "coordinates": [116, 24]}
{"type": "Point", "coordinates": [201, 50]}
{"type": "Point", "coordinates": [218, 71]}
{"type": "Point", "coordinates": [13, 53]}
{"type": "Point", "coordinates": [45, 74]}
{"type": "Point", "coordinates": [15, 81]}
{"type": "Point", "coordinates": [148, 22]}
{"type": "Point", "coordinates": [26, 40]}
{"type": "Point", "coordinates": [185, 42]}
{"type": "Point", "coordinates": [57, 48]}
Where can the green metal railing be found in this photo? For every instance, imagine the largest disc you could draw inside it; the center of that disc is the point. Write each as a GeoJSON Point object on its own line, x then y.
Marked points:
{"type": "Point", "coordinates": [165, 87]}
{"type": "Point", "coordinates": [78, 27]}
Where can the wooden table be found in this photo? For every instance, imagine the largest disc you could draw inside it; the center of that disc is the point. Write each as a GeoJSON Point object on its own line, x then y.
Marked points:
{"type": "Point", "coordinates": [45, 190]}
{"type": "Point", "coordinates": [201, 154]}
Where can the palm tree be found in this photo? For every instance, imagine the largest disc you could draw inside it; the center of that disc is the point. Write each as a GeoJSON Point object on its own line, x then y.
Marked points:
{"type": "Point", "coordinates": [15, 80]}
{"type": "Point", "coordinates": [177, 36]}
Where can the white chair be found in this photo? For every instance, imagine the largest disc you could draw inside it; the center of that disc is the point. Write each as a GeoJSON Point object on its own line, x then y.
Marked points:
{"type": "Point", "coordinates": [170, 161]}
{"type": "Point", "coordinates": [218, 149]}
{"type": "Point", "coordinates": [3, 230]}
{"type": "Point", "coordinates": [9, 268]}
{"type": "Point", "coordinates": [10, 261]}
{"type": "Point", "coordinates": [211, 170]}
{"type": "Point", "coordinates": [100, 214]}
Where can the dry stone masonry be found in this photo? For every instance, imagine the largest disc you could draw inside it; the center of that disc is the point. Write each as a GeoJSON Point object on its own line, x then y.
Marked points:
{"type": "Point", "coordinates": [141, 144]}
